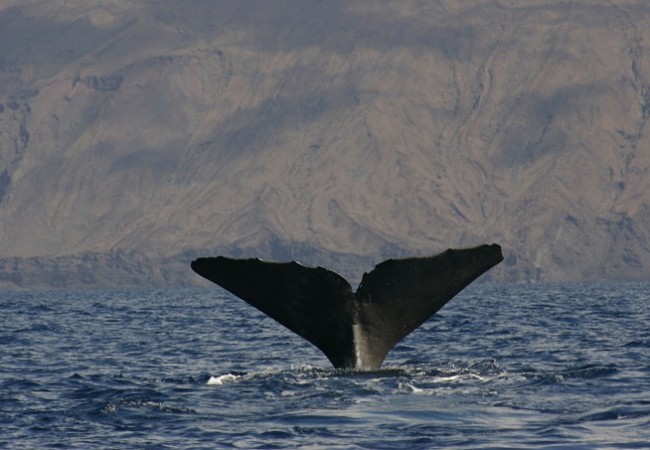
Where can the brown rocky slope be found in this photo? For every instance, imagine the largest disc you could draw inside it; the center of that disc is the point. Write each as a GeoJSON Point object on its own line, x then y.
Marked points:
{"type": "Point", "coordinates": [135, 136]}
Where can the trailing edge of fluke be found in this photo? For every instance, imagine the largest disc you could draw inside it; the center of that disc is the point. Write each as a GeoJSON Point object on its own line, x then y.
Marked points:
{"type": "Point", "coordinates": [355, 330]}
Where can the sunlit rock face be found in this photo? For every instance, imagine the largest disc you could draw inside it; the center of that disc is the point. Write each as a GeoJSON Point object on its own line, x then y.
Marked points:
{"type": "Point", "coordinates": [135, 136]}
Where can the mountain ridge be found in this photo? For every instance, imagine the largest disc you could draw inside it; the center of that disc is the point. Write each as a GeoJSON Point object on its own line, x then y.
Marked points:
{"type": "Point", "coordinates": [339, 134]}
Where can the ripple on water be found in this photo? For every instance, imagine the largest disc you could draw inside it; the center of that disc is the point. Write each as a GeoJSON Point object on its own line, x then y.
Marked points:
{"type": "Point", "coordinates": [500, 366]}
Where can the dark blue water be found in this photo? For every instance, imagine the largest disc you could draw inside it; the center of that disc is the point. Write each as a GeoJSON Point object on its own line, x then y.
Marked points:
{"type": "Point", "coordinates": [499, 367]}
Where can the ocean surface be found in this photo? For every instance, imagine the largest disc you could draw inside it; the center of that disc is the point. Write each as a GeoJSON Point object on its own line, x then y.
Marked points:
{"type": "Point", "coordinates": [501, 366]}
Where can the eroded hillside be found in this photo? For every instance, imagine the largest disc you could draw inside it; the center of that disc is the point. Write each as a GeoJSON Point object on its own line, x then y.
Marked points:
{"type": "Point", "coordinates": [135, 136]}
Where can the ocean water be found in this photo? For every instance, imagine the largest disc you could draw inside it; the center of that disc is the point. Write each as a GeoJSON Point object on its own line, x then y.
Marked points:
{"type": "Point", "coordinates": [501, 366]}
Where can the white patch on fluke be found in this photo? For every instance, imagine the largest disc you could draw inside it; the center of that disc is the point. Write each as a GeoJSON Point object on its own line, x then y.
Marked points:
{"type": "Point", "coordinates": [357, 333]}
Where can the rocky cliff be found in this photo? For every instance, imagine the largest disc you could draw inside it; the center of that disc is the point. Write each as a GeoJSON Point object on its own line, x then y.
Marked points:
{"type": "Point", "coordinates": [135, 136]}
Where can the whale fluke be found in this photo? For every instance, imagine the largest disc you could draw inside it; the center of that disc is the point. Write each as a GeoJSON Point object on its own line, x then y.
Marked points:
{"type": "Point", "coordinates": [354, 330]}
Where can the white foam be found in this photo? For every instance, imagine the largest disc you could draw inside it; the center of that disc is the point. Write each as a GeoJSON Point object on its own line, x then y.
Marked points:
{"type": "Point", "coordinates": [221, 379]}
{"type": "Point", "coordinates": [446, 379]}
{"type": "Point", "coordinates": [413, 389]}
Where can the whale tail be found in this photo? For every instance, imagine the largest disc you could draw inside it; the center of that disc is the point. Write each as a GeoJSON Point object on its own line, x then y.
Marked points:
{"type": "Point", "coordinates": [354, 330]}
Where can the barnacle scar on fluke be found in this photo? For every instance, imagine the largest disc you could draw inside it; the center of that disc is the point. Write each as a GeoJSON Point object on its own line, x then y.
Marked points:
{"type": "Point", "coordinates": [355, 330]}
